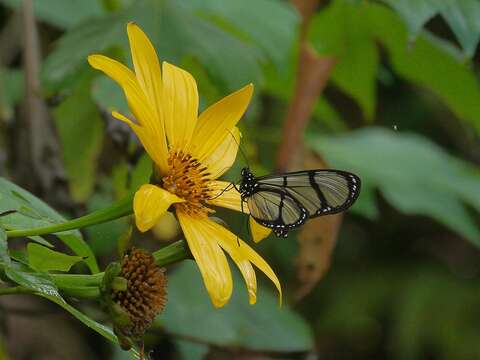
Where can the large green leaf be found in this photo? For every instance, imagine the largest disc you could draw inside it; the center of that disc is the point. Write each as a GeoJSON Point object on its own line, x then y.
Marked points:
{"type": "Point", "coordinates": [63, 14]}
{"type": "Point", "coordinates": [343, 30]}
{"type": "Point", "coordinates": [416, 13]}
{"type": "Point", "coordinates": [176, 32]}
{"type": "Point", "coordinates": [75, 45]}
{"type": "Point", "coordinates": [80, 129]}
{"type": "Point", "coordinates": [231, 61]}
{"type": "Point", "coordinates": [462, 16]}
{"type": "Point", "coordinates": [414, 175]}
{"type": "Point", "coordinates": [430, 63]}
{"type": "Point", "coordinates": [263, 326]}
{"type": "Point", "coordinates": [32, 212]}
{"type": "Point", "coordinates": [271, 26]}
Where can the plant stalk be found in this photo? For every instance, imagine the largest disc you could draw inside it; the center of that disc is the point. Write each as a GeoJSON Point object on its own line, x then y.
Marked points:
{"type": "Point", "coordinates": [115, 211]}
{"type": "Point", "coordinates": [87, 286]}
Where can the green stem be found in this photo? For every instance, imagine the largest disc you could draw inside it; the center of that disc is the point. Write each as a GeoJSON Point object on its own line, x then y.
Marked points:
{"type": "Point", "coordinates": [172, 253]}
{"type": "Point", "coordinates": [70, 280]}
{"type": "Point", "coordinates": [15, 290]}
{"type": "Point", "coordinates": [84, 292]}
{"type": "Point", "coordinates": [114, 211]}
{"type": "Point", "coordinates": [86, 286]}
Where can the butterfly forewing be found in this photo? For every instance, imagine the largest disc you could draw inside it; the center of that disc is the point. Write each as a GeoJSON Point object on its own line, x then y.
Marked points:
{"type": "Point", "coordinates": [320, 192]}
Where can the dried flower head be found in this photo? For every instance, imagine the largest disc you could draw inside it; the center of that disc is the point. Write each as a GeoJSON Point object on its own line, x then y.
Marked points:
{"type": "Point", "coordinates": [145, 295]}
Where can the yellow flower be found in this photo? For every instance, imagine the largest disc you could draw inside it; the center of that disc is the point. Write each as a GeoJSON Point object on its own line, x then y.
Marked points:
{"type": "Point", "coordinates": [190, 152]}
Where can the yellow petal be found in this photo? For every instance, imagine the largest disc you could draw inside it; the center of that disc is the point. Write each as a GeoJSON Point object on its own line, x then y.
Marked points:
{"type": "Point", "coordinates": [138, 103]}
{"type": "Point", "coordinates": [210, 258]}
{"type": "Point", "coordinates": [149, 203]}
{"type": "Point", "coordinates": [217, 122]}
{"type": "Point", "coordinates": [180, 107]}
{"type": "Point", "coordinates": [224, 155]}
{"type": "Point", "coordinates": [230, 243]}
{"type": "Point", "coordinates": [225, 195]}
{"type": "Point", "coordinates": [227, 239]}
{"type": "Point", "coordinates": [260, 263]}
{"type": "Point", "coordinates": [259, 232]}
{"type": "Point", "coordinates": [147, 66]}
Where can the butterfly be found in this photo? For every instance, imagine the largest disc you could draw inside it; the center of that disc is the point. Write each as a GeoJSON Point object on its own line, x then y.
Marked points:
{"type": "Point", "coordinates": [286, 201]}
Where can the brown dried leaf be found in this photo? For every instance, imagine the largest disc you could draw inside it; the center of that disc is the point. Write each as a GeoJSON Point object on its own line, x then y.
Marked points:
{"type": "Point", "coordinates": [317, 240]}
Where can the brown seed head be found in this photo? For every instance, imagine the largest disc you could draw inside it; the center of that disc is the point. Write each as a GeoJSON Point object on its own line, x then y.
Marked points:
{"type": "Point", "coordinates": [145, 296]}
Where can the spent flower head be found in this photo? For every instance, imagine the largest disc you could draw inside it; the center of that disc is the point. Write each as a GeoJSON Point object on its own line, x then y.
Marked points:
{"type": "Point", "coordinates": [145, 293]}
{"type": "Point", "coordinates": [190, 153]}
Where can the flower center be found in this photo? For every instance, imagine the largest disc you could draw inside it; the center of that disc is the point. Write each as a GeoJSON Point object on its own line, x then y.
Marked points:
{"type": "Point", "coordinates": [188, 179]}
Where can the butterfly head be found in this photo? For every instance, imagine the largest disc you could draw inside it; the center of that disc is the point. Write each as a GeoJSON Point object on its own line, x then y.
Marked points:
{"type": "Point", "coordinates": [248, 182]}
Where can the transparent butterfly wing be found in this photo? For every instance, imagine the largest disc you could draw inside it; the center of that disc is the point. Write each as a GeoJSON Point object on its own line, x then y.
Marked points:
{"type": "Point", "coordinates": [320, 192]}
{"type": "Point", "coordinates": [277, 210]}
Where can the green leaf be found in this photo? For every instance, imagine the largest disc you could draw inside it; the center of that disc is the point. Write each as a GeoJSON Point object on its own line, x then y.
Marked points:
{"type": "Point", "coordinates": [429, 62]}
{"type": "Point", "coordinates": [263, 326]}
{"type": "Point", "coordinates": [43, 259]}
{"type": "Point", "coordinates": [271, 26]}
{"type": "Point", "coordinates": [12, 197]}
{"type": "Point", "coordinates": [60, 13]}
{"type": "Point", "coordinates": [75, 45]}
{"type": "Point", "coordinates": [80, 129]}
{"type": "Point", "coordinates": [231, 61]}
{"type": "Point", "coordinates": [463, 16]}
{"type": "Point", "coordinates": [413, 174]}
{"type": "Point", "coordinates": [38, 282]}
{"type": "Point", "coordinates": [41, 241]}
{"type": "Point", "coordinates": [20, 256]}
{"type": "Point", "coordinates": [366, 204]}
{"type": "Point", "coordinates": [343, 30]}
{"type": "Point", "coordinates": [416, 13]}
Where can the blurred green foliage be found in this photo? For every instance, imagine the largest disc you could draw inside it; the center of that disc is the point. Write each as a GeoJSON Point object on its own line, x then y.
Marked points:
{"type": "Point", "coordinates": [405, 278]}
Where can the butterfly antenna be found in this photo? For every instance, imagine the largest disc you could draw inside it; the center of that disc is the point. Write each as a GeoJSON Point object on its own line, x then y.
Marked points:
{"type": "Point", "coordinates": [240, 148]}
{"type": "Point", "coordinates": [227, 188]}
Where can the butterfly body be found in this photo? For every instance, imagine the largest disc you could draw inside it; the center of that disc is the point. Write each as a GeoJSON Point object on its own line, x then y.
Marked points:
{"type": "Point", "coordinates": [286, 201]}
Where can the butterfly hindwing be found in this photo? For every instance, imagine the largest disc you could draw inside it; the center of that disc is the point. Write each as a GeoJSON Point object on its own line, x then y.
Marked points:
{"type": "Point", "coordinates": [276, 210]}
